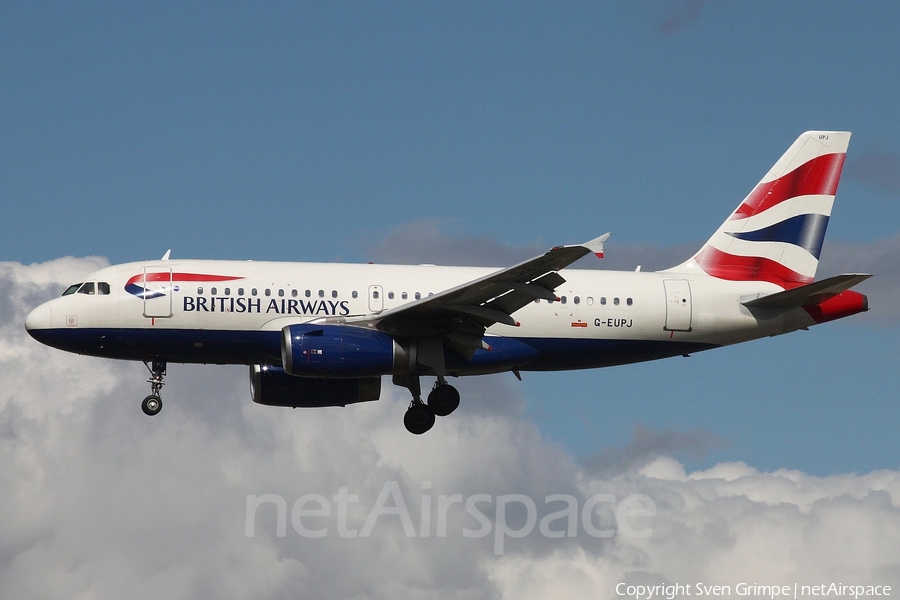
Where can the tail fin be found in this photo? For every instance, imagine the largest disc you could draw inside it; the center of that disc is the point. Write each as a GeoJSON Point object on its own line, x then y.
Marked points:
{"type": "Point", "coordinates": [776, 233]}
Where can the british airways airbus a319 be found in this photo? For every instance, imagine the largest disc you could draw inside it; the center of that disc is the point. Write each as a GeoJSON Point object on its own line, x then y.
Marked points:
{"type": "Point", "coordinates": [324, 334]}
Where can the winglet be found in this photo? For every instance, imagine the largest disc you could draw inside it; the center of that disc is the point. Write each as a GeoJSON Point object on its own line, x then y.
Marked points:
{"type": "Point", "coordinates": [596, 244]}
{"type": "Point", "coordinates": [166, 255]}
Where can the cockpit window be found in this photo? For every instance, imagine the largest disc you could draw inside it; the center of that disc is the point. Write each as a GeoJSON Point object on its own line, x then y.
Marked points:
{"type": "Point", "coordinates": [103, 288]}
{"type": "Point", "coordinates": [71, 289]}
{"type": "Point", "coordinates": [87, 288]}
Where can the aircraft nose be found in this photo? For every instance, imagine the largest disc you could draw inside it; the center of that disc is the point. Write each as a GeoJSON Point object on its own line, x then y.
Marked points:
{"type": "Point", "coordinates": [40, 318]}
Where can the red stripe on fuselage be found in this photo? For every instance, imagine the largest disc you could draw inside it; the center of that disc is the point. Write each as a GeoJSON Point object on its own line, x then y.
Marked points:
{"type": "Point", "coordinates": [179, 277]}
{"type": "Point", "coordinates": [819, 176]}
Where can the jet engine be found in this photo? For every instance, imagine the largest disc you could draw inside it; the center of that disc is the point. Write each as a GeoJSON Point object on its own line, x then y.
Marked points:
{"type": "Point", "coordinates": [343, 351]}
{"type": "Point", "coordinates": [273, 387]}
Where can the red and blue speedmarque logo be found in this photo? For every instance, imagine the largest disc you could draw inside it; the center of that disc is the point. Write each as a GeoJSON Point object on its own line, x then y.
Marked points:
{"type": "Point", "coordinates": [132, 287]}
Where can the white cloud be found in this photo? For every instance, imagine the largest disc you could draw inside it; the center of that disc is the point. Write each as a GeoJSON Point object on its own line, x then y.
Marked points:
{"type": "Point", "coordinates": [100, 501]}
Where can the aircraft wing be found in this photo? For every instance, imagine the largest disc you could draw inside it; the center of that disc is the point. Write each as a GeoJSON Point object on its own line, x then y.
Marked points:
{"type": "Point", "coordinates": [462, 313]}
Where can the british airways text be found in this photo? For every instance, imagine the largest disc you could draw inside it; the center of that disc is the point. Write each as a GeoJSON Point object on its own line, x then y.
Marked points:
{"type": "Point", "coordinates": [283, 306]}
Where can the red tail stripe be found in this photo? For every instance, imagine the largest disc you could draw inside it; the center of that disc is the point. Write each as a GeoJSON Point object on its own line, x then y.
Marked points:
{"type": "Point", "coordinates": [748, 268]}
{"type": "Point", "coordinates": [818, 176]}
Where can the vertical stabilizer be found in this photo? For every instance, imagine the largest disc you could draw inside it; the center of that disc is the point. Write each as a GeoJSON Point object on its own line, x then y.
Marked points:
{"type": "Point", "coordinates": [776, 233]}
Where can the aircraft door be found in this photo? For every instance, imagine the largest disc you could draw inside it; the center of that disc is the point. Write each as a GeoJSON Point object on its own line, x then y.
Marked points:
{"type": "Point", "coordinates": [157, 284]}
{"type": "Point", "coordinates": [678, 304]}
{"type": "Point", "coordinates": [376, 298]}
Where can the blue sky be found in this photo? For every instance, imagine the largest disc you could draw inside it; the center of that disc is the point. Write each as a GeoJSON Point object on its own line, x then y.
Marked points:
{"type": "Point", "coordinates": [332, 131]}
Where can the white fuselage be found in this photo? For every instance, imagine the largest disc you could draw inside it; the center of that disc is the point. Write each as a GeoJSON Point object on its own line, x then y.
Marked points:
{"type": "Point", "coordinates": [215, 320]}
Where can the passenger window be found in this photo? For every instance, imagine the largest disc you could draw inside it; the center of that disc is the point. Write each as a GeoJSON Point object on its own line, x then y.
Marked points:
{"type": "Point", "coordinates": [227, 291]}
{"type": "Point", "coordinates": [103, 288]}
{"type": "Point", "coordinates": [240, 291]}
{"type": "Point", "coordinates": [375, 294]}
{"type": "Point", "coordinates": [390, 295]}
{"type": "Point", "coordinates": [616, 301]}
{"type": "Point", "coordinates": [629, 302]}
{"type": "Point", "coordinates": [71, 289]}
{"type": "Point", "coordinates": [334, 293]}
{"type": "Point", "coordinates": [294, 293]}
{"type": "Point", "coordinates": [281, 293]}
{"type": "Point", "coordinates": [603, 300]}
{"type": "Point", "coordinates": [199, 291]}
{"type": "Point", "coordinates": [87, 288]}
{"type": "Point", "coordinates": [355, 294]}
{"type": "Point", "coordinates": [590, 300]}
{"type": "Point", "coordinates": [212, 291]}
{"type": "Point", "coordinates": [268, 292]}
{"type": "Point", "coordinates": [418, 295]}
{"type": "Point", "coordinates": [576, 300]}
{"type": "Point", "coordinates": [253, 292]}
{"type": "Point", "coordinates": [321, 293]}
{"type": "Point", "coordinates": [404, 295]}
{"type": "Point", "coordinates": [307, 293]}
{"type": "Point", "coordinates": [562, 299]}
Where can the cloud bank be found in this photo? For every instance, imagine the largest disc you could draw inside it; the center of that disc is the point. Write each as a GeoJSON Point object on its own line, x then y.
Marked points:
{"type": "Point", "coordinates": [878, 169]}
{"type": "Point", "coordinates": [102, 502]}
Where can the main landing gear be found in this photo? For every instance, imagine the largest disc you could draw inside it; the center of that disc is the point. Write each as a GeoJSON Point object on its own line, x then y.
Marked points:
{"type": "Point", "coordinates": [442, 400]}
{"type": "Point", "coordinates": [152, 404]}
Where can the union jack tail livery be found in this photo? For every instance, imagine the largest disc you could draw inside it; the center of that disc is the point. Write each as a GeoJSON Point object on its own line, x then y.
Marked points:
{"type": "Point", "coordinates": [776, 233]}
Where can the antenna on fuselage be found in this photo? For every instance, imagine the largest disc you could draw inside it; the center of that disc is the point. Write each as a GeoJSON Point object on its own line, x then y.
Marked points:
{"type": "Point", "coordinates": [166, 255]}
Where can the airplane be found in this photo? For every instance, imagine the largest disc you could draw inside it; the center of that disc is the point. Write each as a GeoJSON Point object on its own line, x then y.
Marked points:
{"type": "Point", "coordinates": [324, 334]}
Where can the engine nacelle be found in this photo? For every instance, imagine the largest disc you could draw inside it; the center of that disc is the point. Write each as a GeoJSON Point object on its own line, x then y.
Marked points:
{"type": "Point", "coordinates": [273, 387]}
{"type": "Point", "coordinates": [342, 351]}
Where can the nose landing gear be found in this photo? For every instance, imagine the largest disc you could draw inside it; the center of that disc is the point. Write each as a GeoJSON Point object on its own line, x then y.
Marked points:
{"type": "Point", "coordinates": [152, 404]}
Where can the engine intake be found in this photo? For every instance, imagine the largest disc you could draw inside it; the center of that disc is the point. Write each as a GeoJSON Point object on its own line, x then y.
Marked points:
{"type": "Point", "coordinates": [342, 351]}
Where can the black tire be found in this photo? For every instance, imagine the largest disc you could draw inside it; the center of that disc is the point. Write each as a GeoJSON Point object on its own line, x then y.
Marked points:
{"type": "Point", "coordinates": [418, 419]}
{"type": "Point", "coordinates": [443, 400]}
{"type": "Point", "coordinates": [151, 405]}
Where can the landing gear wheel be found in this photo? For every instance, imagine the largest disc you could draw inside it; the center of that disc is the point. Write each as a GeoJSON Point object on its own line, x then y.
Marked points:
{"type": "Point", "coordinates": [151, 405]}
{"type": "Point", "coordinates": [419, 418]}
{"type": "Point", "coordinates": [443, 399]}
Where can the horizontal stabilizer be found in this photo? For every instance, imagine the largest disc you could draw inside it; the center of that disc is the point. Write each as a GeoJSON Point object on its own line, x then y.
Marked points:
{"type": "Point", "coordinates": [812, 293]}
